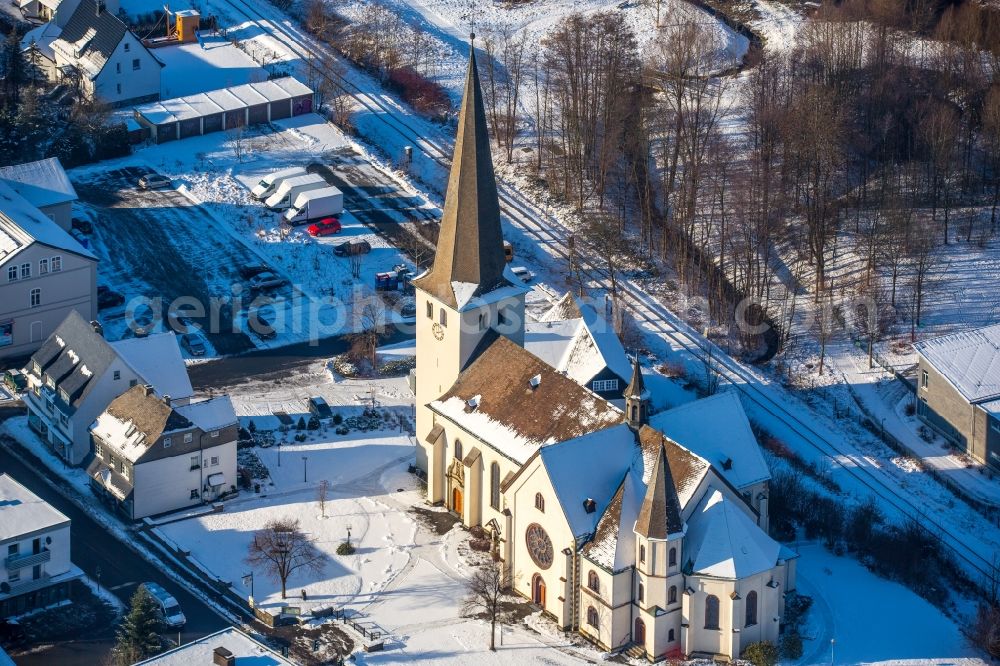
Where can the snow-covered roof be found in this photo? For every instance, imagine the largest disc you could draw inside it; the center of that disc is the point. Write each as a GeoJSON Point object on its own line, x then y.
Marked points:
{"type": "Point", "coordinates": [613, 544]}
{"type": "Point", "coordinates": [588, 467]}
{"type": "Point", "coordinates": [213, 414]}
{"type": "Point", "coordinates": [157, 359]}
{"type": "Point", "coordinates": [42, 37]}
{"type": "Point", "coordinates": [580, 346]}
{"type": "Point", "coordinates": [42, 183]}
{"type": "Point", "coordinates": [21, 224]}
{"type": "Point", "coordinates": [496, 399]}
{"type": "Point", "coordinates": [224, 99]}
{"type": "Point", "coordinates": [201, 651]}
{"type": "Point", "coordinates": [717, 429]}
{"type": "Point", "coordinates": [970, 360]}
{"type": "Point", "coordinates": [21, 511]}
{"type": "Point", "coordinates": [722, 541]}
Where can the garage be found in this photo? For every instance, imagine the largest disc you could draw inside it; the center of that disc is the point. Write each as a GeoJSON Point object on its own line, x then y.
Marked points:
{"type": "Point", "coordinates": [223, 109]}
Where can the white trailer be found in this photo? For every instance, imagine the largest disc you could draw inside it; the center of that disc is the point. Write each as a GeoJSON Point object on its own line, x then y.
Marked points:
{"type": "Point", "coordinates": [315, 204]}
{"type": "Point", "coordinates": [269, 183]}
{"type": "Point", "coordinates": [290, 188]}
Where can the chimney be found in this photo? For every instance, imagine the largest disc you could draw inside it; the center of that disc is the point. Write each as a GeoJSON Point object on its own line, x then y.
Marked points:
{"type": "Point", "coordinates": [166, 400]}
{"type": "Point", "coordinates": [100, 6]}
{"type": "Point", "coordinates": [535, 381]}
{"type": "Point", "coordinates": [223, 657]}
{"type": "Point", "coordinates": [96, 325]}
{"type": "Point", "coordinates": [147, 390]}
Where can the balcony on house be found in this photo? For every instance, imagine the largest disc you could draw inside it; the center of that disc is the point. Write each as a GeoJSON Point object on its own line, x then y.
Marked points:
{"type": "Point", "coordinates": [22, 560]}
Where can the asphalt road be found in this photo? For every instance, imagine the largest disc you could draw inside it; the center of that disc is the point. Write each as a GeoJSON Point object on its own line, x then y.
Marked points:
{"type": "Point", "coordinates": [121, 572]}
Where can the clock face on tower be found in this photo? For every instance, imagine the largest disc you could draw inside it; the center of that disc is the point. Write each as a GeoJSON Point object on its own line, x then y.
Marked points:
{"type": "Point", "coordinates": [438, 331]}
{"type": "Point", "coordinates": [539, 545]}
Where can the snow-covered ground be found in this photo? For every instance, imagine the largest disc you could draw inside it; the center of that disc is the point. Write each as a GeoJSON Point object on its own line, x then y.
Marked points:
{"type": "Point", "coordinates": [868, 620]}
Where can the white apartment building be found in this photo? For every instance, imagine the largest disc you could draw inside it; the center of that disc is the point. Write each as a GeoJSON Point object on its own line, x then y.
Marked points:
{"type": "Point", "coordinates": [76, 374]}
{"type": "Point", "coordinates": [35, 569]}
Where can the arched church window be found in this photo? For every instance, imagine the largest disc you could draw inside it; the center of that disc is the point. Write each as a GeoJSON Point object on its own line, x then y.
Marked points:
{"type": "Point", "coordinates": [712, 612]}
{"type": "Point", "coordinates": [642, 592]}
{"type": "Point", "coordinates": [672, 557]}
{"type": "Point", "coordinates": [443, 318]}
{"type": "Point", "coordinates": [593, 582]}
{"type": "Point", "coordinates": [642, 554]}
{"type": "Point", "coordinates": [592, 616]}
{"type": "Point", "coordinates": [672, 595]}
{"type": "Point", "coordinates": [751, 609]}
{"type": "Point", "coordinates": [458, 449]}
{"type": "Point", "coordinates": [495, 485]}
{"type": "Point", "coordinates": [540, 502]}
{"type": "Point", "coordinates": [670, 636]}
{"type": "Point", "coordinates": [430, 310]}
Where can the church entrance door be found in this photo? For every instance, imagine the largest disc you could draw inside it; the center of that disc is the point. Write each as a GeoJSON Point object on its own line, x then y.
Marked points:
{"type": "Point", "coordinates": [456, 501]}
{"type": "Point", "coordinates": [538, 590]}
{"type": "Point", "coordinates": [639, 636]}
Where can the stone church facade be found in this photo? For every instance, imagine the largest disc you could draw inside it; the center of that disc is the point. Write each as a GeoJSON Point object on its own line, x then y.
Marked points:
{"type": "Point", "coordinates": [613, 529]}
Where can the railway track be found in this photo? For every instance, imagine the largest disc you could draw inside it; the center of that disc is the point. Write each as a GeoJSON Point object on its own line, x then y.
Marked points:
{"type": "Point", "coordinates": [653, 315]}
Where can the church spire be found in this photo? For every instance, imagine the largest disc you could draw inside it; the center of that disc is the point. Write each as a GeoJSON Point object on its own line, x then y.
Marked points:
{"type": "Point", "coordinates": [660, 513]}
{"type": "Point", "coordinates": [636, 398]}
{"type": "Point", "coordinates": [470, 243]}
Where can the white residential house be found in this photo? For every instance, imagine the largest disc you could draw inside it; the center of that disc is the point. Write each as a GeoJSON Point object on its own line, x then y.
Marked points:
{"type": "Point", "coordinates": [96, 49]}
{"type": "Point", "coordinates": [76, 374]}
{"type": "Point", "coordinates": [35, 568]}
{"type": "Point", "coordinates": [45, 185]}
{"type": "Point", "coordinates": [44, 275]}
{"type": "Point", "coordinates": [152, 456]}
{"type": "Point", "coordinates": [575, 340]}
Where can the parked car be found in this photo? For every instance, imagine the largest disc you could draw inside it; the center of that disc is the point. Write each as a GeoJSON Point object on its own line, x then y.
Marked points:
{"type": "Point", "coordinates": [83, 226]}
{"type": "Point", "coordinates": [194, 343]}
{"type": "Point", "coordinates": [325, 227]}
{"type": "Point", "coordinates": [247, 271]}
{"type": "Point", "coordinates": [15, 380]}
{"type": "Point", "coordinates": [154, 181]}
{"type": "Point", "coordinates": [352, 247]}
{"type": "Point", "coordinates": [319, 408]}
{"type": "Point", "coordinates": [167, 607]}
{"type": "Point", "coordinates": [106, 298]}
{"type": "Point", "coordinates": [266, 280]}
{"type": "Point", "coordinates": [261, 322]}
{"type": "Point", "coordinates": [523, 274]}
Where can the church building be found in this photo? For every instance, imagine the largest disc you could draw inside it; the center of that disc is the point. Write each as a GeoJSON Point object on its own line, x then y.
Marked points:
{"type": "Point", "coordinates": [615, 530]}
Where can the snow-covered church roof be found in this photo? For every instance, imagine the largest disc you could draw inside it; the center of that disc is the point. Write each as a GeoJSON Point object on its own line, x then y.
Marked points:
{"type": "Point", "coordinates": [717, 429]}
{"type": "Point", "coordinates": [516, 403]}
{"type": "Point", "coordinates": [723, 542]}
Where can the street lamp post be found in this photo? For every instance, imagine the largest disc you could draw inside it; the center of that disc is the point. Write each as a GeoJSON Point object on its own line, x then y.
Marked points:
{"type": "Point", "coordinates": [305, 476]}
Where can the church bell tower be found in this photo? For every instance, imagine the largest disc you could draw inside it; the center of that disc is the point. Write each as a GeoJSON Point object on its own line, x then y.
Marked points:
{"type": "Point", "coordinates": [468, 296]}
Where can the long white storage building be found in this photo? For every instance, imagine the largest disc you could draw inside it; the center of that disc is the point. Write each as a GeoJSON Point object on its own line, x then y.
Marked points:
{"type": "Point", "coordinates": [227, 108]}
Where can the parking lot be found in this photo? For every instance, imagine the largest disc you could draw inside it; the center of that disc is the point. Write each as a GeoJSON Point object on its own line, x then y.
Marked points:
{"type": "Point", "coordinates": [157, 244]}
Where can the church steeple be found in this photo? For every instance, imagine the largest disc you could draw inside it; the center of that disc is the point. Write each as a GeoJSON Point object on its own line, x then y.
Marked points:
{"type": "Point", "coordinates": [470, 243]}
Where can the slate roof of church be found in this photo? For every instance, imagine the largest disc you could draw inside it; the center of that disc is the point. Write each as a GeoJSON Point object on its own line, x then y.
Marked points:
{"type": "Point", "coordinates": [512, 415]}
{"type": "Point", "coordinates": [470, 260]}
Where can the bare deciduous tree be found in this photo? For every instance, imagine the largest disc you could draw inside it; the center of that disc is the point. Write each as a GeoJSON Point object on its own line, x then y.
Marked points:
{"type": "Point", "coordinates": [485, 596]}
{"type": "Point", "coordinates": [281, 548]}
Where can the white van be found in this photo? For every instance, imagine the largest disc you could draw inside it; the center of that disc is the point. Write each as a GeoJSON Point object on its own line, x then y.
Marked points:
{"type": "Point", "coordinates": [168, 608]}
{"type": "Point", "coordinates": [290, 188]}
{"type": "Point", "coordinates": [269, 183]}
